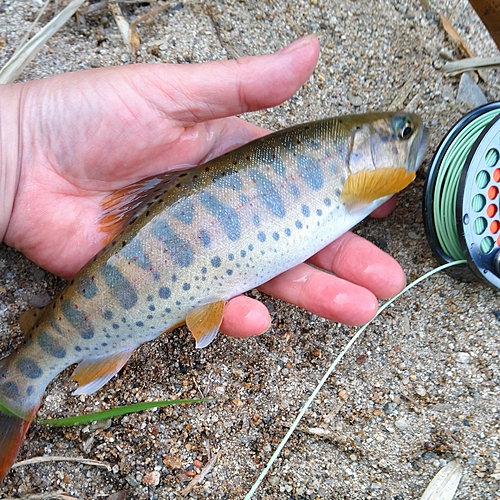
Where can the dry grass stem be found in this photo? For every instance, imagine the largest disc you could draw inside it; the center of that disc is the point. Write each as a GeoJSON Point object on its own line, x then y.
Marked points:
{"type": "Point", "coordinates": [58, 458]}
{"type": "Point", "coordinates": [25, 54]}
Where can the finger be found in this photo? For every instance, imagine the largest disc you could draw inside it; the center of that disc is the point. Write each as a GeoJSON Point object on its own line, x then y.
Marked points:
{"type": "Point", "coordinates": [200, 92]}
{"type": "Point", "coordinates": [357, 260]}
{"type": "Point", "coordinates": [323, 294]}
{"type": "Point", "coordinates": [244, 317]}
{"type": "Point", "coordinates": [385, 209]}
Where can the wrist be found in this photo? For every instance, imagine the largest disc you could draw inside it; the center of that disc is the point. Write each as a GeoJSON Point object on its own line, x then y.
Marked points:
{"type": "Point", "coordinates": [10, 134]}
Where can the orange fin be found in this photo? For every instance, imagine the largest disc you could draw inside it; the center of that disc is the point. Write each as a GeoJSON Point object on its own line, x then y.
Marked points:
{"type": "Point", "coordinates": [122, 207]}
{"type": "Point", "coordinates": [366, 186]}
{"type": "Point", "coordinates": [204, 323]}
{"type": "Point", "coordinates": [12, 432]}
{"type": "Point", "coordinates": [92, 373]}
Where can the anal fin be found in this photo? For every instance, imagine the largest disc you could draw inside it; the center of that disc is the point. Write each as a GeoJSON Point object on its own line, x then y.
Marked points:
{"type": "Point", "coordinates": [92, 373]}
{"type": "Point", "coordinates": [204, 323]}
{"type": "Point", "coordinates": [367, 186]}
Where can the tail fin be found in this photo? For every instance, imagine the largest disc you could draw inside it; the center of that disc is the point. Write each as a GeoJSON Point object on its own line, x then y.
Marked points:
{"type": "Point", "coordinates": [12, 432]}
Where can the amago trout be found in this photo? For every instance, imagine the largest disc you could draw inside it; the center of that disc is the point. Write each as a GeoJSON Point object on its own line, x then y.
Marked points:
{"type": "Point", "coordinates": [184, 243]}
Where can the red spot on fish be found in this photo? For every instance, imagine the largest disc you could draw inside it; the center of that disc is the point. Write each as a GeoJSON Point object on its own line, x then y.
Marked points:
{"type": "Point", "coordinates": [76, 306]}
{"type": "Point", "coordinates": [92, 278]}
{"type": "Point", "coordinates": [135, 258]}
{"type": "Point", "coordinates": [83, 291]}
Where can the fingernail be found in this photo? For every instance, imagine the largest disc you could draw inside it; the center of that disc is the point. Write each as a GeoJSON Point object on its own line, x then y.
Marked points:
{"type": "Point", "coordinates": [297, 44]}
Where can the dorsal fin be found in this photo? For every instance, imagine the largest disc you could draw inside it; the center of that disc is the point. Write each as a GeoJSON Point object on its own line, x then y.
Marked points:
{"type": "Point", "coordinates": [122, 207]}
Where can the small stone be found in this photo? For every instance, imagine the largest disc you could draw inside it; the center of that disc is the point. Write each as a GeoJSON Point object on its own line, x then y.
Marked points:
{"type": "Point", "coordinates": [132, 481]}
{"type": "Point", "coordinates": [198, 463]}
{"type": "Point", "coordinates": [354, 99]}
{"type": "Point", "coordinates": [420, 391]}
{"type": "Point", "coordinates": [401, 424]}
{"type": "Point", "coordinates": [469, 92]}
{"type": "Point", "coordinates": [463, 357]}
{"type": "Point", "coordinates": [273, 480]}
{"type": "Point", "coordinates": [343, 395]}
{"type": "Point", "coordinates": [152, 478]}
{"type": "Point", "coordinates": [39, 300]}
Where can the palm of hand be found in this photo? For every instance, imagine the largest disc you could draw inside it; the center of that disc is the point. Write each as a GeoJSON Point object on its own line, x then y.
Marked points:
{"type": "Point", "coordinates": [86, 134]}
{"type": "Point", "coordinates": [78, 148]}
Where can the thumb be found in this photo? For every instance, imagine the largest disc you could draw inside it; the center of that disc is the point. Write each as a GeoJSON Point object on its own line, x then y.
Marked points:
{"type": "Point", "coordinates": [196, 93]}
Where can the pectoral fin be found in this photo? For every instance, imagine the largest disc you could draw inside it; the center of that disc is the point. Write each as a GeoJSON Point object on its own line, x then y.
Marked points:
{"type": "Point", "coordinates": [124, 206]}
{"type": "Point", "coordinates": [92, 373]}
{"type": "Point", "coordinates": [204, 323]}
{"type": "Point", "coordinates": [367, 186]}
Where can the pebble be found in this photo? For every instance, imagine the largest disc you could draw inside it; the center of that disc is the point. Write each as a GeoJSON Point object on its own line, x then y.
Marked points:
{"type": "Point", "coordinates": [420, 391]}
{"type": "Point", "coordinates": [463, 357]}
{"type": "Point", "coordinates": [354, 99]}
{"type": "Point", "coordinates": [469, 92]}
{"type": "Point", "coordinates": [401, 424]}
{"type": "Point", "coordinates": [152, 478]}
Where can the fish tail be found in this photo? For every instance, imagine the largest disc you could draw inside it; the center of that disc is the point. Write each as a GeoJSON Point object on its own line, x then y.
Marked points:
{"type": "Point", "coordinates": [12, 432]}
{"type": "Point", "coordinates": [14, 421]}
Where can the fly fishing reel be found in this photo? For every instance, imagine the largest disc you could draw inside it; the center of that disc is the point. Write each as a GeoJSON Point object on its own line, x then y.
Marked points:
{"type": "Point", "coordinates": [462, 201]}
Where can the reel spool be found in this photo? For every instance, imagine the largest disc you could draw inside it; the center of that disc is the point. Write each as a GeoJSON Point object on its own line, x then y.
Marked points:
{"type": "Point", "coordinates": [461, 197]}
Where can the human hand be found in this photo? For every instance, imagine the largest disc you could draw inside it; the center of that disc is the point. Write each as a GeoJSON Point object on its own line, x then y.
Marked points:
{"type": "Point", "coordinates": [83, 135]}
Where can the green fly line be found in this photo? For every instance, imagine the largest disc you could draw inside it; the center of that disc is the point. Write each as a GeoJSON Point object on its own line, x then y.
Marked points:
{"type": "Point", "coordinates": [447, 181]}
{"type": "Point", "coordinates": [332, 367]}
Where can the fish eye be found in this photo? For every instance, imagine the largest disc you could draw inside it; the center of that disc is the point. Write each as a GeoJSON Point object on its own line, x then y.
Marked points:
{"type": "Point", "coordinates": [402, 126]}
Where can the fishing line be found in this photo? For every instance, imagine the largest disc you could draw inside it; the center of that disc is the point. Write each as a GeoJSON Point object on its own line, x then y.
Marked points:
{"type": "Point", "coordinates": [332, 367]}
{"type": "Point", "coordinates": [461, 202]}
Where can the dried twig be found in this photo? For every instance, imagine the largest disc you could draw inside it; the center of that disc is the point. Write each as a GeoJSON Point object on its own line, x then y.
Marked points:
{"type": "Point", "coordinates": [199, 478]}
{"type": "Point", "coordinates": [53, 495]}
{"type": "Point", "coordinates": [122, 24]}
{"type": "Point", "coordinates": [25, 54]}
{"type": "Point", "coordinates": [58, 458]}
{"type": "Point", "coordinates": [135, 39]}
{"type": "Point", "coordinates": [471, 64]}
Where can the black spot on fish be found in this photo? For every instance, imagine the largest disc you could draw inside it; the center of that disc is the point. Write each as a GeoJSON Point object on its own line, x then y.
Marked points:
{"type": "Point", "coordinates": [216, 262]}
{"type": "Point", "coordinates": [77, 319]}
{"type": "Point", "coordinates": [186, 286]}
{"type": "Point", "coordinates": [139, 323]}
{"type": "Point", "coordinates": [107, 315]}
{"type": "Point", "coordinates": [10, 390]}
{"type": "Point", "coordinates": [261, 237]}
{"type": "Point", "coordinates": [243, 253]}
{"type": "Point", "coordinates": [29, 390]}
{"type": "Point", "coordinates": [305, 211]}
{"type": "Point", "coordinates": [120, 286]}
{"type": "Point", "coordinates": [151, 307]}
{"type": "Point", "coordinates": [50, 345]}
{"type": "Point", "coordinates": [87, 287]}
{"type": "Point", "coordinates": [78, 348]}
{"type": "Point", "coordinates": [229, 272]}
{"type": "Point", "coordinates": [116, 326]}
{"type": "Point", "coordinates": [298, 224]}
{"type": "Point", "coordinates": [164, 292]}
{"type": "Point", "coordinates": [327, 202]}
{"type": "Point", "coordinates": [29, 368]}
{"type": "Point", "coordinates": [178, 249]}
{"type": "Point", "coordinates": [276, 236]}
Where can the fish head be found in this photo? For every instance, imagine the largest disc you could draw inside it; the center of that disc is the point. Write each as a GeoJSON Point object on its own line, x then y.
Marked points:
{"type": "Point", "coordinates": [384, 152]}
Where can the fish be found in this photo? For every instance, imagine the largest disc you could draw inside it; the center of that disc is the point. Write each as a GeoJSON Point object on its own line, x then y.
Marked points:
{"type": "Point", "coordinates": [182, 243]}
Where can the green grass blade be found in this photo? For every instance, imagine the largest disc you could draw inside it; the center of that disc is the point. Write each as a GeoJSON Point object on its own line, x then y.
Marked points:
{"type": "Point", "coordinates": [115, 412]}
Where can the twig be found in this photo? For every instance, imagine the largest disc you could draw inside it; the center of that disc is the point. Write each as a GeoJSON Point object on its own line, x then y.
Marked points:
{"type": "Point", "coordinates": [54, 495]}
{"type": "Point", "coordinates": [198, 478]}
{"type": "Point", "coordinates": [135, 39]}
{"type": "Point", "coordinates": [58, 458]}
{"type": "Point", "coordinates": [25, 54]}
{"type": "Point", "coordinates": [471, 64]}
{"type": "Point", "coordinates": [122, 24]}
{"type": "Point", "coordinates": [33, 24]}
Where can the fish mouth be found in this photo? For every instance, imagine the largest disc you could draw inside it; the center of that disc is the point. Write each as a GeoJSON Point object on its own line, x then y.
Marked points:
{"type": "Point", "coordinates": [423, 146]}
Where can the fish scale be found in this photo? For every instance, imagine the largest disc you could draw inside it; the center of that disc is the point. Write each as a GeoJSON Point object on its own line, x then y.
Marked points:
{"type": "Point", "coordinates": [185, 243]}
